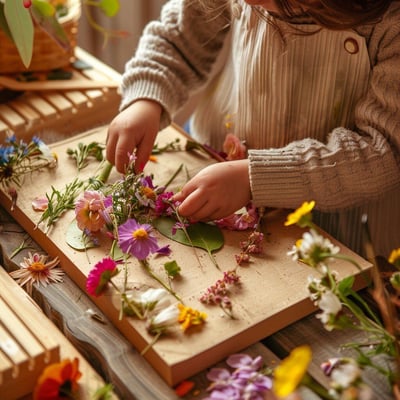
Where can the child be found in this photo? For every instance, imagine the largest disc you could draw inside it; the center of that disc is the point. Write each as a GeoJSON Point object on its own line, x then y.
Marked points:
{"type": "Point", "coordinates": [311, 86]}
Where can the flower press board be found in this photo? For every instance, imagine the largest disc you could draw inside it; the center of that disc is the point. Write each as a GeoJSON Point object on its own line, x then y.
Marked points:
{"type": "Point", "coordinates": [271, 296]}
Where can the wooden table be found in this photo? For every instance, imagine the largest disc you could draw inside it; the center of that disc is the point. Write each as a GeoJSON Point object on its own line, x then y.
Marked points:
{"type": "Point", "coordinates": [117, 361]}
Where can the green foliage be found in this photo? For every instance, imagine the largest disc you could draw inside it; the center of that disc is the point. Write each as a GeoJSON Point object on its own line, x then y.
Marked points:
{"type": "Point", "coordinates": [204, 236]}
{"type": "Point", "coordinates": [20, 25]}
{"type": "Point", "coordinates": [109, 7]}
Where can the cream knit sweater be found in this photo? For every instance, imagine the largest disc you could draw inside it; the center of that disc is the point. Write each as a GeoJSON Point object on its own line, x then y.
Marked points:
{"type": "Point", "coordinates": [349, 169]}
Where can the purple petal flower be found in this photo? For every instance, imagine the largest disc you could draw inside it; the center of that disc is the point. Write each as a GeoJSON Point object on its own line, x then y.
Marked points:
{"type": "Point", "coordinates": [137, 239]}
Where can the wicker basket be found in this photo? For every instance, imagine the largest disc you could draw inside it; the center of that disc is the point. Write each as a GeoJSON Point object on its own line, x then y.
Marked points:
{"type": "Point", "coordinates": [47, 54]}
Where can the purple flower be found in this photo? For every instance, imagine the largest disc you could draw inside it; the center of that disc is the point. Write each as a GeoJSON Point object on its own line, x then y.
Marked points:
{"type": "Point", "coordinates": [137, 239]}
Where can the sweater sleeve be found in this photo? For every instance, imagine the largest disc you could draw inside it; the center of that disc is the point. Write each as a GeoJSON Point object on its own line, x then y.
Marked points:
{"type": "Point", "coordinates": [175, 55]}
{"type": "Point", "coordinates": [352, 167]}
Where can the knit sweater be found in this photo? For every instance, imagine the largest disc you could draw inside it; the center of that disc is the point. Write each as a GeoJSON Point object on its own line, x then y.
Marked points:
{"type": "Point", "coordinates": [348, 169]}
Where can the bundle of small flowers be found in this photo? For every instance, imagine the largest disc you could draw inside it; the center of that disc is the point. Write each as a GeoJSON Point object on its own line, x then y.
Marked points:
{"type": "Point", "coordinates": [18, 159]}
{"type": "Point", "coordinates": [342, 307]}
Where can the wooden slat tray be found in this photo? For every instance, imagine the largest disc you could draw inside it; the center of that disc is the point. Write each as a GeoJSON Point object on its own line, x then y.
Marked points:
{"type": "Point", "coordinates": [273, 292]}
{"type": "Point", "coordinates": [26, 348]}
{"type": "Point", "coordinates": [61, 106]}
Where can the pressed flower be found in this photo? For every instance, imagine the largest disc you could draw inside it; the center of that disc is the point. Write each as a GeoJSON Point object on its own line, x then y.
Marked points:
{"type": "Point", "coordinates": [246, 382]}
{"type": "Point", "coordinates": [89, 211]}
{"type": "Point", "coordinates": [37, 269]}
{"type": "Point", "coordinates": [330, 306]}
{"type": "Point", "coordinates": [58, 381]}
{"type": "Point", "coordinates": [164, 319]}
{"type": "Point", "coordinates": [301, 216]}
{"type": "Point", "coordinates": [234, 148]}
{"type": "Point", "coordinates": [137, 239]}
{"type": "Point", "coordinates": [100, 276]}
{"type": "Point", "coordinates": [40, 203]}
{"type": "Point", "coordinates": [190, 317]}
{"type": "Point", "coordinates": [288, 375]}
{"type": "Point", "coordinates": [313, 249]}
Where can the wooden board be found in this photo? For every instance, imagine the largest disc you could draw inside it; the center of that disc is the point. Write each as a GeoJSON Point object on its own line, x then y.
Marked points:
{"type": "Point", "coordinates": [273, 292]}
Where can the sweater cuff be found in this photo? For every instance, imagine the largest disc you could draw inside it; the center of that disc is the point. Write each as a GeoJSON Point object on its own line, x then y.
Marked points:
{"type": "Point", "coordinates": [146, 90]}
{"type": "Point", "coordinates": [276, 179]}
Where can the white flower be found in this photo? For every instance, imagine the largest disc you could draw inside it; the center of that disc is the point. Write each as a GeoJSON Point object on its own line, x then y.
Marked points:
{"type": "Point", "coordinates": [330, 305]}
{"type": "Point", "coordinates": [164, 319]}
{"type": "Point", "coordinates": [345, 374]}
{"type": "Point", "coordinates": [314, 248]}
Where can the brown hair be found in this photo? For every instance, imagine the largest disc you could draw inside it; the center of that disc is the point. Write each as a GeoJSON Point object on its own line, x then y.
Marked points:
{"type": "Point", "coordinates": [335, 14]}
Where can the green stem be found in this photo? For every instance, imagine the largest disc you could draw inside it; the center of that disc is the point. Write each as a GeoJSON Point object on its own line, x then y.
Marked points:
{"type": "Point", "coordinates": [146, 266]}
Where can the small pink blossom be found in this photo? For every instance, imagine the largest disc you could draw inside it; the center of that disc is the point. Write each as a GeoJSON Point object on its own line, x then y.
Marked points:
{"type": "Point", "coordinates": [100, 275]}
{"type": "Point", "coordinates": [89, 211]}
{"type": "Point", "coordinates": [234, 148]}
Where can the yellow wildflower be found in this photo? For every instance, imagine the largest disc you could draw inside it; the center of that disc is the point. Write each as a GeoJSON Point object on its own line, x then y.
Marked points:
{"type": "Point", "coordinates": [189, 317]}
{"type": "Point", "coordinates": [288, 375]}
{"type": "Point", "coordinates": [394, 257]}
{"type": "Point", "coordinates": [301, 216]}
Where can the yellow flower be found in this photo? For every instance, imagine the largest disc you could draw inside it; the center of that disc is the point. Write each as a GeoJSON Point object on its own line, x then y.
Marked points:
{"type": "Point", "coordinates": [394, 257]}
{"type": "Point", "coordinates": [288, 375]}
{"type": "Point", "coordinates": [189, 317]}
{"type": "Point", "coordinates": [302, 215]}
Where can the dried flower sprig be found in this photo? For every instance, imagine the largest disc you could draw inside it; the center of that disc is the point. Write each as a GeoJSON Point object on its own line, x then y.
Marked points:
{"type": "Point", "coordinates": [86, 151]}
{"type": "Point", "coordinates": [18, 158]}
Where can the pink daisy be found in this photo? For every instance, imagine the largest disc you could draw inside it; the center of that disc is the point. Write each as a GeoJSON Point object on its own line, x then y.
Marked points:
{"type": "Point", "coordinates": [36, 269]}
{"type": "Point", "coordinates": [100, 275]}
{"type": "Point", "coordinates": [137, 239]}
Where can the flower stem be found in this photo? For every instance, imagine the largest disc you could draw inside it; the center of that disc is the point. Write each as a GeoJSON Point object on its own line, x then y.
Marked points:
{"type": "Point", "coordinates": [146, 266]}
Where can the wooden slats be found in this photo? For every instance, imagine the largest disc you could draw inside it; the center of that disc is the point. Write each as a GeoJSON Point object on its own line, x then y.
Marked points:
{"type": "Point", "coordinates": [25, 347]}
{"type": "Point", "coordinates": [63, 112]}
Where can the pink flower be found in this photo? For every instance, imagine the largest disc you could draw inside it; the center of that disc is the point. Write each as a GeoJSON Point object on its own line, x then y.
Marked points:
{"type": "Point", "coordinates": [234, 148]}
{"type": "Point", "coordinates": [136, 239]}
{"type": "Point", "coordinates": [100, 275]}
{"type": "Point", "coordinates": [89, 211]}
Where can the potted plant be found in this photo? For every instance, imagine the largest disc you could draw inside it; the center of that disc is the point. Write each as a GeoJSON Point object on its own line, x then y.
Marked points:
{"type": "Point", "coordinates": [41, 34]}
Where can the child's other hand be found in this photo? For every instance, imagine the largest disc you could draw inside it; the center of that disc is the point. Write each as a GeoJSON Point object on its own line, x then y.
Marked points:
{"type": "Point", "coordinates": [215, 192]}
{"type": "Point", "coordinates": [135, 128]}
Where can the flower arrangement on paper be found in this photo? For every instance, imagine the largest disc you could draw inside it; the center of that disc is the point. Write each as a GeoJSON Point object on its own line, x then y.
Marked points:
{"type": "Point", "coordinates": [18, 18]}
{"type": "Point", "coordinates": [130, 213]}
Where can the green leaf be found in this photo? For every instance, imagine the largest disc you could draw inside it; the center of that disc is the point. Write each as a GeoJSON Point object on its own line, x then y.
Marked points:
{"type": "Point", "coordinates": [202, 235]}
{"type": "Point", "coordinates": [345, 286]}
{"type": "Point", "coordinates": [48, 22]}
{"type": "Point", "coordinates": [109, 7]}
{"type": "Point", "coordinates": [20, 23]}
{"type": "Point", "coordinates": [76, 239]}
{"type": "Point", "coordinates": [172, 268]}
{"type": "Point", "coordinates": [43, 8]}
{"type": "Point", "coordinates": [3, 22]}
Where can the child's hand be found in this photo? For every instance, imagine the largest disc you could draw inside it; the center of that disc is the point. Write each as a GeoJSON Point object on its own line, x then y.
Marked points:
{"type": "Point", "coordinates": [135, 128]}
{"type": "Point", "coordinates": [215, 192]}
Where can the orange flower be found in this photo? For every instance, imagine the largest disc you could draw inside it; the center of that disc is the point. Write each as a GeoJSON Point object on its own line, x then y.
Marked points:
{"type": "Point", "coordinates": [58, 380]}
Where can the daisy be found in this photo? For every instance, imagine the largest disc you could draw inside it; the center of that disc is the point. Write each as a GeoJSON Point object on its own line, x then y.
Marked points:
{"type": "Point", "coordinates": [137, 239]}
{"type": "Point", "coordinates": [36, 269]}
{"type": "Point", "coordinates": [100, 275]}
